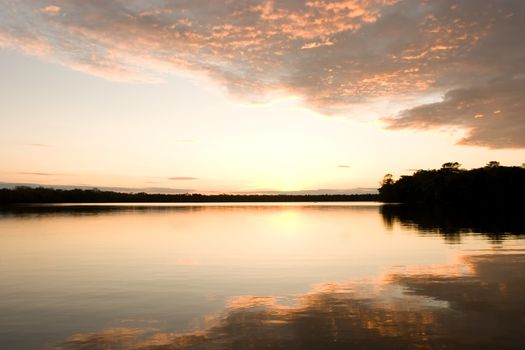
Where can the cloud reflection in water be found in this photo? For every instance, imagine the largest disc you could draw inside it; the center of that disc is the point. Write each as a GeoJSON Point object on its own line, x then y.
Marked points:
{"type": "Point", "coordinates": [478, 303]}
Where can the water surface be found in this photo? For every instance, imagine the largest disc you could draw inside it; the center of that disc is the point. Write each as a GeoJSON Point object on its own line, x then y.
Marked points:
{"type": "Point", "coordinates": [280, 276]}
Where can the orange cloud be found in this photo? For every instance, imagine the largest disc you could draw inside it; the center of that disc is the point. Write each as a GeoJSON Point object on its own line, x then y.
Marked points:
{"type": "Point", "coordinates": [332, 54]}
{"type": "Point", "coordinates": [51, 9]}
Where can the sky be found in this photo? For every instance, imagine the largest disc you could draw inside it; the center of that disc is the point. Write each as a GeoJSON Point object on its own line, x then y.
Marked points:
{"type": "Point", "coordinates": [256, 96]}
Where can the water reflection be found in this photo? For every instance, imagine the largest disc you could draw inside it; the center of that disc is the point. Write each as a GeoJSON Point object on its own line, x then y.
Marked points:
{"type": "Point", "coordinates": [451, 223]}
{"type": "Point", "coordinates": [25, 211]}
{"type": "Point", "coordinates": [145, 277]}
{"type": "Point", "coordinates": [478, 303]}
{"type": "Point", "coordinates": [84, 209]}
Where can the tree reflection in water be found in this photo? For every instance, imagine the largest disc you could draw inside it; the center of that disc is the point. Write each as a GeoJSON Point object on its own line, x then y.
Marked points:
{"type": "Point", "coordinates": [477, 304]}
{"type": "Point", "coordinates": [452, 222]}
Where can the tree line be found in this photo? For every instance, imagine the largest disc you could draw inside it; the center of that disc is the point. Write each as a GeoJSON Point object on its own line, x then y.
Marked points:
{"type": "Point", "coordinates": [24, 194]}
{"type": "Point", "coordinates": [488, 185]}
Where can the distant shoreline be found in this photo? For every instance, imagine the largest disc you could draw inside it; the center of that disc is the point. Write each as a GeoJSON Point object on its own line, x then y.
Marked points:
{"type": "Point", "coordinates": [41, 195]}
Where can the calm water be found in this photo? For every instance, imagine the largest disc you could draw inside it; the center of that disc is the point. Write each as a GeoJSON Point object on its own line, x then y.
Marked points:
{"type": "Point", "coordinates": [280, 276]}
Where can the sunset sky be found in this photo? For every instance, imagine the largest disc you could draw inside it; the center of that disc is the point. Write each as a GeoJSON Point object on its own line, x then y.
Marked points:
{"type": "Point", "coordinates": [254, 96]}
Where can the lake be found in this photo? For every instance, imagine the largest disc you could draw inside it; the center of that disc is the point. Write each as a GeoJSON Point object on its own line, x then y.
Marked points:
{"type": "Point", "coordinates": [253, 276]}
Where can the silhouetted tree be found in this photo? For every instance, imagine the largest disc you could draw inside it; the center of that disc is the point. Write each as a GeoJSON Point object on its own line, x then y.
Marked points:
{"type": "Point", "coordinates": [388, 179]}
{"type": "Point", "coordinates": [492, 164]}
{"type": "Point", "coordinates": [451, 165]}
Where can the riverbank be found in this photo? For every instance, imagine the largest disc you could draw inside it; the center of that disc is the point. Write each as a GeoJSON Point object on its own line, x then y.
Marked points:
{"type": "Point", "coordinates": [23, 195]}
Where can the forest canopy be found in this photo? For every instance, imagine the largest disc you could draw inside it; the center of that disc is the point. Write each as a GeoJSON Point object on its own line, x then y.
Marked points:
{"type": "Point", "coordinates": [451, 184]}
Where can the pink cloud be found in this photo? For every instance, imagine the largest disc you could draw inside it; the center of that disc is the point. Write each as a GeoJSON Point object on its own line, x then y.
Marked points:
{"type": "Point", "coordinates": [51, 9]}
{"type": "Point", "coordinates": [333, 54]}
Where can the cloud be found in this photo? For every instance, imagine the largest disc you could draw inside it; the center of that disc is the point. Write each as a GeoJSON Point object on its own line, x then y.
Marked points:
{"type": "Point", "coordinates": [182, 178]}
{"type": "Point", "coordinates": [39, 145]}
{"type": "Point", "coordinates": [493, 114]}
{"type": "Point", "coordinates": [343, 166]}
{"type": "Point", "coordinates": [38, 174]}
{"type": "Point", "coordinates": [51, 9]}
{"type": "Point", "coordinates": [335, 55]}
